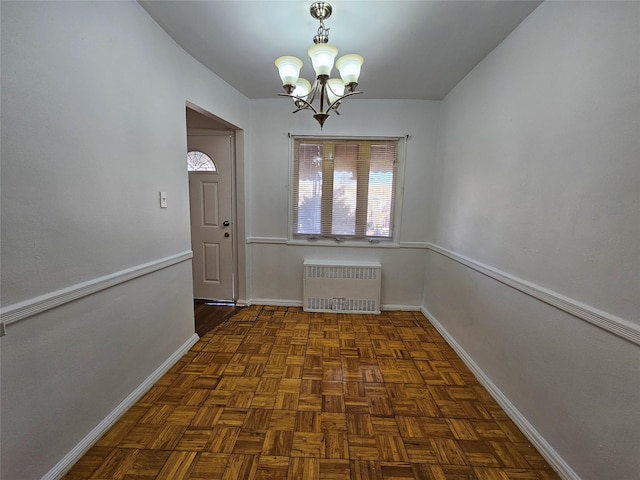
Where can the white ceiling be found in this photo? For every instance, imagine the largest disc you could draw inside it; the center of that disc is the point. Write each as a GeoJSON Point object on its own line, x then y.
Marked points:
{"type": "Point", "coordinates": [417, 49]}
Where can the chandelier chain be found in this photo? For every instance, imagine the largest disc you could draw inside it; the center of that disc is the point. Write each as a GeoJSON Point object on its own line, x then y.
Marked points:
{"type": "Point", "coordinates": [322, 35]}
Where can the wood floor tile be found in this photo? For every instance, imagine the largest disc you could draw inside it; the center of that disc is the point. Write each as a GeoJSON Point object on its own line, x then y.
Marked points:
{"type": "Point", "coordinates": [335, 445]}
{"type": "Point", "coordinates": [304, 469]}
{"type": "Point", "coordinates": [249, 442]}
{"type": "Point", "coordinates": [396, 471]}
{"type": "Point", "coordinates": [148, 464]}
{"type": "Point", "coordinates": [240, 466]}
{"type": "Point", "coordinates": [210, 466]}
{"type": "Point", "coordinates": [365, 470]}
{"type": "Point", "coordinates": [363, 447]}
{"type": "Point", "coordinates": [117, 463]}
{"type": "Point", "coordinates": [257, 420]}
{"type": "Point", "coordinates": [448, 452]}
{"type": "Point", "coordinates": [140, 436]}
{"type": "Point", "coordinates": [116, 434]}
{"type": "Point", "coordinates": [278, 443]}
{"type": "Point", "coordinates": [194, 439]}
{"type": "Point", "coordinates": [359, 424]}
{"type": "Point", "coordinates": [391, 448]}
{"type": "Point", "coordinates": [233, 417]}
{"type": "Point", "coordinates": [177, 466]}
{"type": "Point", "coordinates": [183, 415]}
{"type": "Point", "coordinates": [167, 437]}
{"type": "Point", "coordinates": [201, 417]}
{"type": "Point", "coordinates": [223, 439]}
{"type": "Point", "coordinates": [333, 422]}
{"type": "Point", "coordinates": [89, 463]}
{"type": "Point", "coordinates": [335, 469]}
{"type": "Point", "coordinates": [310, 402]}
{"type": "Point", "coordinates": [282, 420]}
{"type": "Point", "coordinates": [307, 421]}
{"type": "Point", "coordinates": [307, 444]}
{"type": "Point", "coordinates": [272, 468]}
{"type": "Point", "coordinates": [277, 393]}
{"type": "Point", "coordinates": [385, 426]}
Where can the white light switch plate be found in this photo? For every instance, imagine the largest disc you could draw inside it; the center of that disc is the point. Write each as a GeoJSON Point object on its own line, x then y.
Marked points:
{"type": "Point", "coordinates": [163, 199]}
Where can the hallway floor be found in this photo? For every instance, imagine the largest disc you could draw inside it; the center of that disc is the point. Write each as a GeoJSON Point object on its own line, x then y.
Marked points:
{"type": "Point", "coordinates": [277, 393]}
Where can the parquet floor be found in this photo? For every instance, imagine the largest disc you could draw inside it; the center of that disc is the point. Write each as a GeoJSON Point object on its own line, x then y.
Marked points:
{"type": "Point", "coordinates": [277, 393]}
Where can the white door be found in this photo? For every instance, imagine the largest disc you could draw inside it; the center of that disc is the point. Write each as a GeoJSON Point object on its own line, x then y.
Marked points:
{"type": "Point", "coordinates": [210, 198]}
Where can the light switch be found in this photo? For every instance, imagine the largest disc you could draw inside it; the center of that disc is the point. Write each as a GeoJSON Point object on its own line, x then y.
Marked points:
{"type": "Point", "coordinates": [163, 199]}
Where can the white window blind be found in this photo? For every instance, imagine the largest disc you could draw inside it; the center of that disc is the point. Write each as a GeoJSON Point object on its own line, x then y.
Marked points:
{"type": "Point", "coordinates": [344, 188]}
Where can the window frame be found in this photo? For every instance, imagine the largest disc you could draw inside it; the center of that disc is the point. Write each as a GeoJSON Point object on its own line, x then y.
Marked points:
{"type": "Point", "coordinates": [204, 154]}
{"type": "Point", "coordinates": [347, 240]}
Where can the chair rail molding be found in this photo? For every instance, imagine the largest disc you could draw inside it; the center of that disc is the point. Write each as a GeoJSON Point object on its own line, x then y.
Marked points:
{"type": "Point", "coordinates": [33, 306]}
{"type": "Point", "coordinates": [611, 323]}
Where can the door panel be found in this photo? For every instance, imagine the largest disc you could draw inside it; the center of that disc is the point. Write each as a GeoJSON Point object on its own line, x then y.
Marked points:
{"type": "Point", "coordinates": [211, 222]}
{"type": "Point", "coordinates": [210, 198]}
{"type": "Point", "coordinates": [211, 262]}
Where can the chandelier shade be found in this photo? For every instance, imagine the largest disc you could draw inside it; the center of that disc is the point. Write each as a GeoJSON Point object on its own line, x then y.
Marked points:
{"type": "Point", "coordinates": [302, 88]}
{"type": "Point", "coordinates": [289, 69]}
{"type": "Point", "coordinates": [349, 67]}
{"type": "Point", "coordinates": [335, 89]}
{"type": "Point", "coordinates": [329, 91]}
{"type": "Point", "coordinates": [322, 57]}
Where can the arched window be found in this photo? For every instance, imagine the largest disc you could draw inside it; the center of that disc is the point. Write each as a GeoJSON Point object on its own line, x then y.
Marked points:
{"type": "Point", "coordinates": [200, 162]}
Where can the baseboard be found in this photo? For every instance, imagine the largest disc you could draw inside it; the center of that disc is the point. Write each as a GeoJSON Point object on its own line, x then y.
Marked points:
{"type": "Point", "coordinates": [547, 451]}
{"type": "Point", "coordinates": [402, 308]}
{"type": "Point", "coordinates": [275, 303]}
{"type": "Point", "coordinates": [64, 465]}
{"type": "Point", "coordinates": [243, 302]}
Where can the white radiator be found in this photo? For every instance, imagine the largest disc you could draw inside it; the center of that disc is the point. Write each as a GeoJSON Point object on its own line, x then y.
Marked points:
{"type": "Point", "coordinates": [341, 287]}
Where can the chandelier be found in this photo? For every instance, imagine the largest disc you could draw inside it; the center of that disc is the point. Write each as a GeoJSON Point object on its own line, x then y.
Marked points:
{"type": "Point", "coordinates": [329, 91]}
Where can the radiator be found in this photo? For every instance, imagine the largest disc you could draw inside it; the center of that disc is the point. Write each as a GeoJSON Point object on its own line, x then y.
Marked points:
{"type": "Point", "coordinates": [341, 287]}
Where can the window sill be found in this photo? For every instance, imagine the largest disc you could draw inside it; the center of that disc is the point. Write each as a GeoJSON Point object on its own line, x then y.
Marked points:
{"type": "Point", "coordinates": [327, 242]}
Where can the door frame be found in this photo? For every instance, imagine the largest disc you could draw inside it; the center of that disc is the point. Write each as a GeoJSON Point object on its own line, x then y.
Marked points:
{"type": "Point", "coordinates": [234, 217]}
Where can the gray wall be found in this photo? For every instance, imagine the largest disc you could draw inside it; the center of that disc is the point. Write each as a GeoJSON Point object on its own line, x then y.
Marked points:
{"type": "Point", "coordinates": [538, 173]}
{"type": "Point", "coordinates": [93, 127]}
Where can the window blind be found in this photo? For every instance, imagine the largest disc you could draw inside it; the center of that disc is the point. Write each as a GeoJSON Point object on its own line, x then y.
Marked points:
{"type": "Point", "coordinates": [344, 188]}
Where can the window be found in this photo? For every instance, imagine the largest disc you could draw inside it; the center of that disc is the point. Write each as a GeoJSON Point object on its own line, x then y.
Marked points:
{"type": "Point", "coordinates": [200, 162]}
{"type": "Point", "coordinates": [344, 188]}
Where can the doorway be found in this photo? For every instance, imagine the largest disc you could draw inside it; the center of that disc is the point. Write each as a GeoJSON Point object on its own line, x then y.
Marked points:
{"type": "Point", "coordinates": [211, 162]}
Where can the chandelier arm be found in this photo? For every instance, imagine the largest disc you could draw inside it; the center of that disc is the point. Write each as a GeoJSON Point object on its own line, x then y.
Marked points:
{"type": "Point", "coordinates": [299, 99]}
{"type": "Point", "coordinates": [340, 98]}
{"type": "Point", "coordinates": [314, 92]}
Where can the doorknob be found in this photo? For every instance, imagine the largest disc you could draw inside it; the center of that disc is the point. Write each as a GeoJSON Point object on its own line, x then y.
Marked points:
{"type": "Point", "coordinates": [226, 234]}
{"type": "Point", "coordinates": [225, 223]}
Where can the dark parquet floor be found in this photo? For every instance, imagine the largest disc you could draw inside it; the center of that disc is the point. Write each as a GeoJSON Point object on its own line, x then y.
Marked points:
{"type": "Point", "coordinates": [208, 315]}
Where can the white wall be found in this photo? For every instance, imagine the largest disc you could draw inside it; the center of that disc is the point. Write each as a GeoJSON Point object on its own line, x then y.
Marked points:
{"type": "Point", "coordinates": [276, 268]}
{"type": "Point", "coordinates": [538, 176]}
{"type": "Point", "coordinates": [93, 127]}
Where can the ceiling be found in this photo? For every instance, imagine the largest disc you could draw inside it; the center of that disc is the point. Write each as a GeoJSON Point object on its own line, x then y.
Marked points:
{"type": "Point", "coordinates": [417, 49]}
